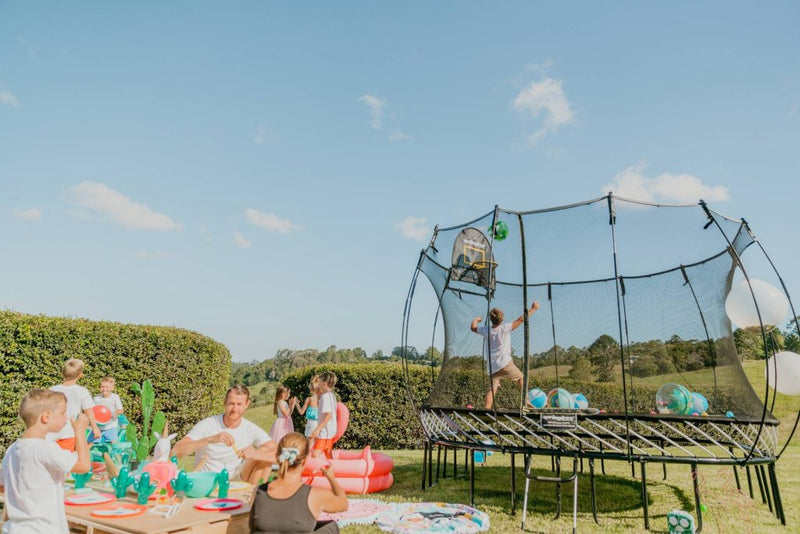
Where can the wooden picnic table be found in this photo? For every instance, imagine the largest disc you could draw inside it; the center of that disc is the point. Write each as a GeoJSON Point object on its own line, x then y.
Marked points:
{"type": "Point", "coordinates": [187, 520]}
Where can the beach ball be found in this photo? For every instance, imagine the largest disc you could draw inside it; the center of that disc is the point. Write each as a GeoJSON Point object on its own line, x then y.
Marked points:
{"type": "Point", "coordinates": [101, 414]}
{"type": "Point", "coordinates": [786, 366]}
{"type": "Point", "coordinates": [673, 399]}
{"type": "Point", "coordinates": [500, 231]}
{"type": "Point", "coordinates": [581, 402]}
{"type": "Point", "coordinates": [537, 398]}
{"type": "Point", "coordinates": [741, 308]}
{"type": "Point", "coordinates": [560, 398]}
{"type": "Point", "coordinates": [699, 403]}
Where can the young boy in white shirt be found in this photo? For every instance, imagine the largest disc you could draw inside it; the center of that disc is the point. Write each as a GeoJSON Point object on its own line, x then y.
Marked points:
{"type": "Point", "coordinates": [78, 400]}
{"type": "Point", "coordinates": [110, 400]}
{"type": "Point", "coordinates": [34, 469]}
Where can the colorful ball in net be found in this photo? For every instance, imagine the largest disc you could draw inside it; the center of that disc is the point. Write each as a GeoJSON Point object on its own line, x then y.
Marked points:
{"type": "Point", "coordinates": [581, 402]}
{"type": "Point", "coordinates": [500, 230]}
{"type": "Point", "coordinates": [101, 414]}
{"type": "Point", "coordinates": [560, 398]}
{"type": "Point", "coordinates": [537, 398]}
{"type": "Point", "coordinates": [699, 403]}
{"type": "Point", "coordinates": [674, 399]}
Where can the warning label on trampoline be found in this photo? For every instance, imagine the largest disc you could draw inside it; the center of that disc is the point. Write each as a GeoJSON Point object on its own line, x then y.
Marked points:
{"type": "Point", "coordinates": [559, 421]}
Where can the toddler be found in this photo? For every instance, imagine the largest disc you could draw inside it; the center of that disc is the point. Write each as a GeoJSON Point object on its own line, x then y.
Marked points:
{"type": "Point", "coordinates": [110, 400]}
{"type": "Point", "coordinates": [326, 427]}
{"type": "Point", "coordinates": [283, 409]}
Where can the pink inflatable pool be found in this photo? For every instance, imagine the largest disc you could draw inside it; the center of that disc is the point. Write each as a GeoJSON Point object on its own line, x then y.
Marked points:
{"type": "Point", "coordinates": [356, 471]}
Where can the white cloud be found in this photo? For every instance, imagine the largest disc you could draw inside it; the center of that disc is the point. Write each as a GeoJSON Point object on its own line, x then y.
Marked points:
{"type": "Point", "coordinates": [376, 107]}
{"type": "Point", "coordinates": [270, 221]}
{"type": "Point", "coordinates": [398, 136]}
{"type": "Point", "coordinates": [414, 228]}
{"type": "Point", "coordinates": [8, 99]}
{"type": "Point", "coordinates": [120, 209]}
{"type": "Point", "coordinates": [665, 188]}
{"type": "Point", "coordinates": [151, 255]}
{"type": "Point", "coordinates": [545, 99]}
{"type": "Point", "coordinates": [263, 134]}
{"type": "Point", "coordinates": [240, 240]}
{"type": "Point", "coordinates": [32, 214]}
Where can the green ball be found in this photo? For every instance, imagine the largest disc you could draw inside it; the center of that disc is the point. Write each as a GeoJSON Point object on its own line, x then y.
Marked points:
{"type": "Point", "coordinates": [703, 508]}
{"type": "Point", "coordinates": [500, 230]}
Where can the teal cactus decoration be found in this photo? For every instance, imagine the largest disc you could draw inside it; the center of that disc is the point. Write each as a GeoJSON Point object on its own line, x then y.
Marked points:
{"type": "Point", "coordinates": [223, 482]}
{"type": "Point", "coordinates": [181, 483]}
{"type": "Point", "coordinates": [121, 482]}
{"type": "Point", "coordinates": [81, 479]}
{"type": "Point", "coordinates": [151, 422]}
{"type": "Point", "coordinates": [144, 488]}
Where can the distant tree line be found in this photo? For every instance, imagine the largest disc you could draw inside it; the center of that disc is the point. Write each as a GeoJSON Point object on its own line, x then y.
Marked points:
{"type": "Point", "coordinates": [286, 361]}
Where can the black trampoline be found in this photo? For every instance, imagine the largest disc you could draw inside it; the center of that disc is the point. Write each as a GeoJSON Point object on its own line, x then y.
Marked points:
{"type": "Point", "coordinates": [632, 317]}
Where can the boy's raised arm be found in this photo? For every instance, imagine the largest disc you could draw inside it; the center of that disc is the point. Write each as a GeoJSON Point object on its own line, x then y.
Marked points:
{"type": "Point", "coordinates": [79, 425]}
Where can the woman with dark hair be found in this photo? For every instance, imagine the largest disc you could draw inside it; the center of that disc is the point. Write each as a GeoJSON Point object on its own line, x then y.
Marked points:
{"type": "Point", "coordinates": [287, 505]}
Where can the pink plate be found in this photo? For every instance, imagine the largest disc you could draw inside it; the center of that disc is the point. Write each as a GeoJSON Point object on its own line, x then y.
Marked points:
{"type": "Point", "coordinates": [219, 505]}
{"type": "Point", "coordinates": [88, 499]}
{"type": "Point", "coordinates": [113, 511]}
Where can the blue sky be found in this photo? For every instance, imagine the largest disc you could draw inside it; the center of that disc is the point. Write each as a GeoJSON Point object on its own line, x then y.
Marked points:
{"type": "Point", "coordinates": [266, 173]}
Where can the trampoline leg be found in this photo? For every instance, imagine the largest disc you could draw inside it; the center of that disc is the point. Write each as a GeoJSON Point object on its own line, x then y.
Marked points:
{"type": "Point", "coordinates": [594, 492]}
{"type": "Point", "coordinates": [558, 487]}
{"type": "Point", "coordinates": [696, 485]}
{"type": "Point", "coordinates": [424, 463]}
{"type": "Point", "coordinates": [430, 466]}
{"type": "Point", "coordinates": [645, 508]}
{"type": "Point", "coordinates": [736, 473]}
{"type": "Point", "coordinates": [664, 467]}
{"type": "Point", "coordinates": [513, 485]}
{"type": "Point", "coordinates": [749, 481]}
{"type": "Point", "coordinates": [633, 470]}
{"type": "Point", "coordinates": [455, 464]}
{"type": "Point", "coordinates": [776, 494]}
{"type": "Point", "coordinates": [763, 473]}
{"type": "Point", "coordinates": [466, 460]}
{"type": "Point", "coordinates": [760, 485]}
{"type": "Point", "coordinates": [575, 497]}
{"type": "Point", "coordinates": [472, 477]}
{"type": "Point", "coordinates": [527, 486]}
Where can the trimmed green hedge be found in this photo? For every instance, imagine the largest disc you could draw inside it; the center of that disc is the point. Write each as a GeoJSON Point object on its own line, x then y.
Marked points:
{"type": "Point", "coordinates": [189, 371]}
{"type": "Point", "coordinates": [375, 393]}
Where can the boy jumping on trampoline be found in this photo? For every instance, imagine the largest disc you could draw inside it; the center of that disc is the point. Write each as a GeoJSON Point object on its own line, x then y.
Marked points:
{"type": "Point", "coordinates": [502, 366]}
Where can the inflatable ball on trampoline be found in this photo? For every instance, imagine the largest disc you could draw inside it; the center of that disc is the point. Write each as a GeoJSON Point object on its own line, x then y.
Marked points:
{"type": "Point", "coordinates": [581, 402]}
{"type": "Point", "coordinates": [500, 231]}
{"type": "Point", "coordinates": [560, 398]}
{"type": "Point", "coordinates": [673, 399]}
{"type": "Point", "coordinates": [537, 398]}
{"type": "Point", "coordinates": [699, 403]}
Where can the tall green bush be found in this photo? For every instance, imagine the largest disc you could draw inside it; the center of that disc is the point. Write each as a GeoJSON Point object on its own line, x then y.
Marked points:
{"type": "Point", "coordinates": [381, 414]}
{"type": "Point", "coordinates": [189, 371]}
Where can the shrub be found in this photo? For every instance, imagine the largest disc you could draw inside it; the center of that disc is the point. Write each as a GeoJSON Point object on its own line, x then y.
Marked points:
{"type": "Point", "coordinates": [189, 371]}
{"type": "Point", "coordinates": [381, 414]}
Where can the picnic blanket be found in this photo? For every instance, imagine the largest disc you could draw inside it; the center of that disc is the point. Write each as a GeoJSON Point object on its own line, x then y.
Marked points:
{"type": "Point", "coordinates": [360, 512]}
{"type": "Point", "coordinates": [433, 517]}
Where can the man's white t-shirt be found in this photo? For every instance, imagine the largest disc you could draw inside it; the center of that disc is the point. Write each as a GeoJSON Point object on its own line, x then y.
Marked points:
{"type": "Point", "coordinates": [78, 399]}
{"type": "Point", "coordinates": [499, 346]}
{"type": "Point", "coordinates": [113, 403]}
{"type": "Point", "coordinates": [247, 434]}
{"type": "Point", "coordinates": [34, 471]}
{"type": "Point", "coordinates": [327, 403]}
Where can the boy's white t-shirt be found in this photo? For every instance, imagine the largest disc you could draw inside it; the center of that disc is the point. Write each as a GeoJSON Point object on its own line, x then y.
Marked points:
{"type": "Point", "coordinates": [247, 434]}
{"type": "Point", "coordinates": [34, 471]}
{"type": "Point", "coordinates": [499, 346]}
{"type": "Point", "coordinates": [327, 404]}
{"type": "Point", "coordinates": [78, 399]}
{"type": "Point", "coordinates": [113, 403]}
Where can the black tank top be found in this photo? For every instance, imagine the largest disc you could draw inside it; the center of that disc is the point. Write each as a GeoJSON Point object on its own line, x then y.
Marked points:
{"type": "Point", "coordinates": [286, 516]}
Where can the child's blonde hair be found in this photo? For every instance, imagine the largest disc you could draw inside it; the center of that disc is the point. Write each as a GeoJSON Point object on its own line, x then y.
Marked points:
{"type": "Point", "coordinates": [496, 316]}
{"type": "Point", "coordinates": [73, 368]}
{"type": "Point", "coordinates": [278, 394]}
{"type": "Point", "coordinates": [36, 402]}
{"type": "Point", "coordinates": [298, 451]}
{"type": "Point", "coordinates": [108, 380]}
{"type": "Point", "coordinates": [329, 378]}
{"type": "Point", "coordinates": [314, 382]}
